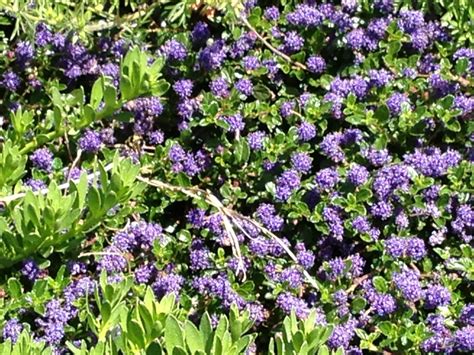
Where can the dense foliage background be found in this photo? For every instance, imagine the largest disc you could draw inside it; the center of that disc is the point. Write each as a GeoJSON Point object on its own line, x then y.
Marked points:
{"type": "Point", "coordinates": [219, 177]}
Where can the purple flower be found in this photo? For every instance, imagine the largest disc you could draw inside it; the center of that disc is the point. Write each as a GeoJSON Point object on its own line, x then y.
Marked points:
{"type": "Point", "coordinates": [199, 259]}
{"type": "Point", "coordinates": [301, 162]}
{"type": "Point", "coordinates": [342, 335]}
{"type": "Point", "coordinates": [245, 42]}
{"type": "Point", "coordinates": [174, 50]}
{"type": "Point", "coordinates": [464, 339]}
{"type": "Point", "coordinates": [244, 86]}
{"type": "Point", "coordinates": [407, 281]}
{"type": "Point", "coordinates": [305, 15]}
{"type": "Point", "coordinates": [167, 283]}
{"type": "Point", "coordinates": [385, 6]}
{"type": "Point", "coordinates": [306, 131]}
{"type": "Point", "coordinates": [464, 103]}
{"type": "Point", "coordinates": [42, 159]}
{"type": "Point", "coordinates": [200, 33]}
{"type": "Point", "coordinates": [327, 178]}
{"type": "Point", "coordinates": [90, 142]}
{"type": "Point", "coordinates": [399, 247]}
{"type": "Point", "coordinates": [305, 258]}
{"type": "Point", "coordinates": [12, 330]}
{"type": "Point", "coordinates": [43, 35]}
{"type": "Point", "coordinates": [431, 162]}
{"type": "Point", "coordinates": [396, 102]}
{"type": "Point", "coordinates": [24, 53]}
{"type": "Point", "coordinates": [212, 57]}
{"type": "Point", "coordinates": [219, 87]}
{"type": "Point", "coordinates": [357, 175]}
{"type": "Point", "coordinates": [292, 276]}
{"type": "Point", "coordinates": [287, 302]}
{"type": "Point", "coordinates": [144, 273]}
{"type": "Point", "coordinates": [377, 157]}
{"type": "Point", "coordinates": [112, 260]}
{"type": "Point", "coordinates": [10, 81]}
{"type": "Point", "coordinates": [467, 314]}
{"type": "Point", "coordinates": [251, 63]}
{"type": "Point", "coordinates": [35, 184]}
{"type": "Point", "coordinates": [316, 64]}
{"type": "Point", "coordinates": [286, 109]}
{"type": "Point", "coordinates": [437, 296]}
{"type": "Point", "coordinates": [380, 78]}
{"type": "Point", "coordinates": [235, 122]}
{"type": "Point", "coordinates": [271, 13]}
{"type": "Point", "coordinates": [255, 140]}
{"type": "Point", "coordinates": [183, 88]}
{"type": "Point", "coordinates": [382, 210]}
{"type": "Point", "coordinates": [361, 224]}
{"type": "Point", "coordinates": [286, 184]}
{"type": "Point", "coordinates": [267, 214]}
{"type": "Point", "coordinates": [293, 42]}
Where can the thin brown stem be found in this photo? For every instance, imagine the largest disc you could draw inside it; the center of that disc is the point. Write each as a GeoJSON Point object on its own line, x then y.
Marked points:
{"type": "Point", "coordinates": [270, 47]}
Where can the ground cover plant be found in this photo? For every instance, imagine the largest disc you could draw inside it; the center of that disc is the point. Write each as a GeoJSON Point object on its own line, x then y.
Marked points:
{"type": "Point", "coordinates": [228, 177]}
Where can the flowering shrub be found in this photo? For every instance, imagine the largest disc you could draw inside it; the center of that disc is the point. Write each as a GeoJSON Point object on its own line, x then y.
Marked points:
{"type": "Point", "coordinates": [227, 177]}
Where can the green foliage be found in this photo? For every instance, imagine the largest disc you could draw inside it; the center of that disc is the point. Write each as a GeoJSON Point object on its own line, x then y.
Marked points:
{"type": "Point", "coordinates": [59, 221]}
{"type": "Point", "coordinates": [302, 337]}
{"type": "Point", "coordinates": [25, 345]}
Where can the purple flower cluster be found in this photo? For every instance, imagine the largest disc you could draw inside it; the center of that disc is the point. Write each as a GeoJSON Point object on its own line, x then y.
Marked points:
{"type": "Point", "coordinates": [189, 163]}
{"type": "Point", "coordinates": [90, 142]}
{"type": "Point", "coordinates": [288, 303]}
{"type": "Point", "coordinates": [399, 247]}
{"type": "Point", "coordinates": [382, 303]}
{"type": "Point", "coordinates": [431, 162]}
{"type": "Point", "coordinates": [12, 330]}
{"type": "Point", "coordinates": [266, 213]}
{"type": "Point", "coordinates": [288, 182]}
{"type": "Point", "coordinates": [42, 159]}
{"type": "Point", "coordinates": [407, 281]}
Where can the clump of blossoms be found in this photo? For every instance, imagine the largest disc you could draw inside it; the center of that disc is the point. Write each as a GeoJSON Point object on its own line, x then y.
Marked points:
{"type": "Point", "coordinates": [312, 158]}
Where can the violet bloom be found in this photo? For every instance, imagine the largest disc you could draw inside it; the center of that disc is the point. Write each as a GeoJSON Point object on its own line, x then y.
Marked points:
{"type": "Point", "coordinates": [219, 87]}
{"type": "Point", "coordinates": [12, 329]}
{"type": "Point", "coordinates": [316, 64]}
{"type": "Point", "coordinates": [10, 81]}
{"type": "Point", "coordinates": [183, 88]}
{"type": "Point", "coordinates": [255, 140]}
{"type": "Point", "coordinates": [244, 86]}
{"type": "Point", "coordinates": [306, 131]}
{"type": "Point", "coordinates": [396, 102]}
{"type": "Point", "coordinates": [42, 159]}
{"type": "Point", "coordinates": [90, 142]}
{"type": "Point", "coordinates": [286, 184]}
{"type": "Point", "coordinates": [174, 50]}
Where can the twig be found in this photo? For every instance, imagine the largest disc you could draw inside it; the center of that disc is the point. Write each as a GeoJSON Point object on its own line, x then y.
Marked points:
{"type": "Point", "coordinates": [73, 165]}
{"type": "Point", "coordinates": [270, 47]}
{"type": "Point", "coordinates": [228, 214]}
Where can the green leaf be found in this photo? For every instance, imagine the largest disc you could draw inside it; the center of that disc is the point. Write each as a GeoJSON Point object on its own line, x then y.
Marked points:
{"type": "Point", "coordinates": [160, 87]}
{"type": "Point", "coordinates": [194, 339]}
{"type": "Point", "coordinates": [173, 334]}
{"type": "Point", "coordinates": [323, 350]}
{"type": "Point", "coordinates": [387, 328]}
{"type": "Point", "coordinates": [14, 288]}
{"type": "Point", "coordinates": [242, 151]}
{"type": "Point", "coordinates": [382, 114]}
{"type": "Point", "coordinates": [363, 195]}
{"type": "Point", "coordinates": [380, 284]}
{"type": "Point", "coordinates": [97, 93]}
{"type": "Point", "coordinates": [358, 304]}
{"type": "Point", "coordinates": [135, 333]}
